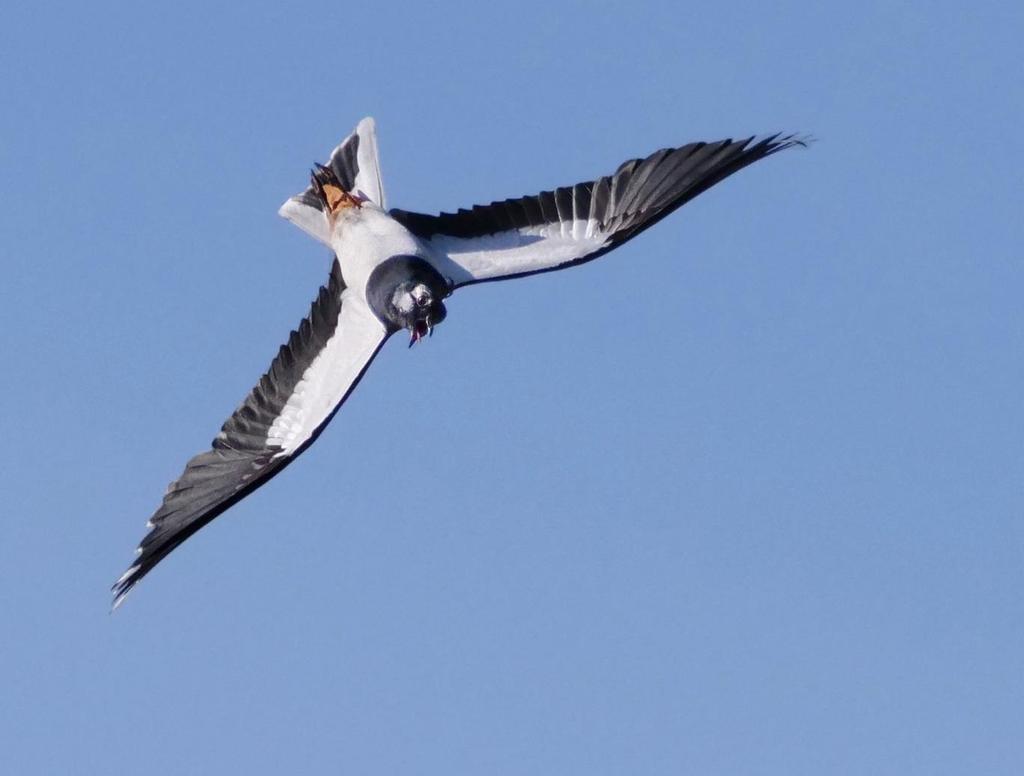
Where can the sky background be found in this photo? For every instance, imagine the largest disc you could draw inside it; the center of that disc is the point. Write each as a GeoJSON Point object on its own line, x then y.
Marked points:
{"type": "Point", "coordinates": [743, 497]}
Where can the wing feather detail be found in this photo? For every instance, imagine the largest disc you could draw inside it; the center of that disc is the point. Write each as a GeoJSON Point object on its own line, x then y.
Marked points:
{"type": "Point", "coordinates": [284, 413]}
{"type": "Point", "coordinates": [575, 224]}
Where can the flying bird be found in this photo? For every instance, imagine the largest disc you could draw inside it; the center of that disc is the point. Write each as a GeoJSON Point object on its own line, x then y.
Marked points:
{"type": "Point", "coordinates": [392, 271]}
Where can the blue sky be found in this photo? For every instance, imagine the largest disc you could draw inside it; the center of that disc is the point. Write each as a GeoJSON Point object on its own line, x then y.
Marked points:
{"type": "Point", "coordinates": [743, 497]}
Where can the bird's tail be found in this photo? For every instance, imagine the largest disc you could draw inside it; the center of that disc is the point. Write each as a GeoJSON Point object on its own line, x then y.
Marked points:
{"type": "Point", "coordinates": [351, 174]}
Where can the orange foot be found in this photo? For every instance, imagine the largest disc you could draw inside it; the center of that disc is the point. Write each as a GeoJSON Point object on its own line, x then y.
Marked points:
{"type": "Point", "coordinates": [330, 191]}
{"type": "Point", "coordinates": [337, 199]}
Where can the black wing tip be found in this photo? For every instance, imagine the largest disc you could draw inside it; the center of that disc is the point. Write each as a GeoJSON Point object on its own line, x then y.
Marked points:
{"type": "Point", "coordinates": [240, 445]}
{"type": "Point", "coordinates": [780, 141]}
{"type": "Point", "coordinates": [125, 583]}
{"type": "Point", "coordinates": [145, 560]}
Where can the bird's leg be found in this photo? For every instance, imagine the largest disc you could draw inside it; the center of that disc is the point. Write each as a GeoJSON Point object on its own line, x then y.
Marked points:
{"type": "Point", "coordinates": [330, 191]}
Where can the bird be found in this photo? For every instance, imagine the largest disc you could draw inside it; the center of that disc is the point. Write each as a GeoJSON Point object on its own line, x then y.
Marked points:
{"type": "Point", "coordinates": [392, 271]}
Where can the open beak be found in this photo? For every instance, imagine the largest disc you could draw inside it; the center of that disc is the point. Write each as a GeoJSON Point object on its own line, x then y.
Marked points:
{"type": "Point", "coordinates": [420, 330]}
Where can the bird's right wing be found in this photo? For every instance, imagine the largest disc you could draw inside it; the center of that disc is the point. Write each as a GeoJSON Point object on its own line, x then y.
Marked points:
{"type": "Point", "coordinates": [574, 224]}
{"type": "Point", "coordinates": [309, 379]}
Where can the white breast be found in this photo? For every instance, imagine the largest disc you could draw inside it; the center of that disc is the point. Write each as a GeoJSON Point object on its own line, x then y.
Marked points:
{"type": "Point", "coordinates": [364, 237]}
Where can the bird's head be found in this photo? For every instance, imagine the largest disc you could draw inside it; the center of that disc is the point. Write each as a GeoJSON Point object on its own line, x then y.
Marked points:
{"type": "Point", "coordinates": [406, 292]}
{"type": "Point", "coordinates": [418, 307]}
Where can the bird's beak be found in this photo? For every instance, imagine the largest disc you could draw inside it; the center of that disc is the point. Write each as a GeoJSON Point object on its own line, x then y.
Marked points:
{"type": "Point", "coordinates": [419, 330]}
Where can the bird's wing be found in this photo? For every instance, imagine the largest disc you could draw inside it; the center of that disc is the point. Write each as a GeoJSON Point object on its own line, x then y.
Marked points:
{"type": "Point", "coordinates": [574, 224]}
{"type": "Point", "coordinates": [355, 165]}
{"type": "Point", "coordinates": [309, 379]}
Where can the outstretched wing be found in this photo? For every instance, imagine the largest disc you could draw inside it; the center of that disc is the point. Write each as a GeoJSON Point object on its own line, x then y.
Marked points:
{"type": "Point", "coordinates": [574, 224]}
{"type": "Point", "coordinates": [309, 379]}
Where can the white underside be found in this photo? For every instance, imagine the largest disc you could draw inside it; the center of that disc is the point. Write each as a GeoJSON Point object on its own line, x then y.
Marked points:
{"type": "Point", "coordinates": [519, 251]}
{"type": "Point", "coordinates": [366, 236]}
{"type": "Point", "coordinates": [362, 238]}
{"type": "Point", "coordinates": [310, 220]}
{"type": "Point", "coordinates": [328, 379]}
{"type": "Point", "coordinates": [368, 182]}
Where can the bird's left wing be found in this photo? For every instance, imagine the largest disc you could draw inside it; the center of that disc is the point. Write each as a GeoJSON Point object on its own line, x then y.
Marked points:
{"type": "Point", "coordinates": [306, 383]}
{"type": "Point", "coordinates": [574, 224]}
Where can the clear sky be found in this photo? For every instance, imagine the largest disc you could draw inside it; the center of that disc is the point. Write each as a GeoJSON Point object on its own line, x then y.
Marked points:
{"type": "Point", "coordinates": [742, 497]}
